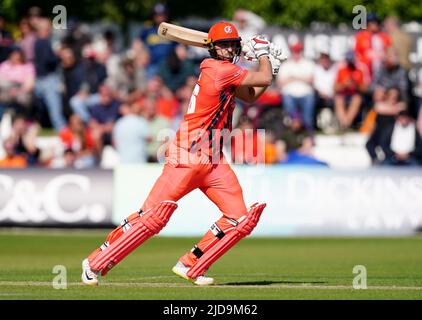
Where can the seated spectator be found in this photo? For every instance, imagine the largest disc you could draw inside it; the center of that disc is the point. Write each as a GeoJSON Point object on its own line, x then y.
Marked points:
{"type": "Point", "coordinates": [387, 107]}
{"type": "Point", "coordinates": [157, 124]}
{"type": "Point", "coordinates": [405, 143]}
{"type": "Point", "coordinates": [391, 75]}
{"type": "Point", "coordinates": [295, 135]}
{"type": "Point", "coordinates": [131, 135]}
{"type": "Point", "coordinates": [324, 78]}
{"type": "Point", "coordinates": [16, 82]}
{"type": "Point", "coordinates": [349, 87]}
{"type": "Point", "coordinates": [166, 102]}
{"type": "Point", "coordinates": [73, 75]}
{"type": "Point", "coordinates": [130, 82]}
{"type": "Point", "coordinates": [176, 68]}
{"type": "Point", "coordinates": [66, 161]}
{"type": "Point", "coordinates": [294, 145]}
{"type": "Point", "coordinates": [295, 80]}
{"type": "Point", "coordinates": [78, 138]}
{"type": "Point", "coordinates": [103, 117]}
{"type": "Point", "coordinates": [12, 159]}
{"type": "Point", "coordinates": [24, 137]}
{"type": "Point", "coordinates": [94, 75]}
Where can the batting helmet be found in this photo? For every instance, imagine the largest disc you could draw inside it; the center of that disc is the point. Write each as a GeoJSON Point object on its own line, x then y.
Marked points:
{"type": "Point", "coordinates": [223, 31]}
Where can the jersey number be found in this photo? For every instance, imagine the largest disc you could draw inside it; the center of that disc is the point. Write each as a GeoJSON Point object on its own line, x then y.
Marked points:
{"type": "Point", "coordinates": [192, 102]}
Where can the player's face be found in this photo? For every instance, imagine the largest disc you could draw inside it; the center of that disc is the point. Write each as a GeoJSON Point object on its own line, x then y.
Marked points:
{"type": "Point", "coordinates": [227, 50]}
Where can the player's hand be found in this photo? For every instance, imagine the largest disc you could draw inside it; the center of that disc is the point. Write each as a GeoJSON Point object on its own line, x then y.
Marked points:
{"type": "Point", "coordinates": [260, 45]}
{"type": "Point", "coordinates": [276, 52]}
{"type": "Point", "coordinates": [275, 64]}
{"type": "Point", "coordinates": [248, 52]}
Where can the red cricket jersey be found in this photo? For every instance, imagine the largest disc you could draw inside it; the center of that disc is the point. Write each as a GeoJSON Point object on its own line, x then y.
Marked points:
{"type": "Point", "coordinates": [211, 105]}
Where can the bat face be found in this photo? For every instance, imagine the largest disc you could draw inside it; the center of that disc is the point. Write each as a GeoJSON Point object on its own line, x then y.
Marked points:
{"type": "Point", "coordinates": [183, 35]}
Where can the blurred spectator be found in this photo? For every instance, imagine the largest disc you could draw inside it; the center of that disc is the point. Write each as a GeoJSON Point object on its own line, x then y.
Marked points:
{"type": "Point", "coordinates": [294, 145]}
{"type": "Point", "coordinates": [131, 135]}
{"type": "Point", "coordinates": [78, 138]}
{"type": "Point", "coordinates": [405, 143]}
{"type": "Point", "coordinates": [324, 78]}
{"type": "Point", "coordinates": [17, 79]}
{"type": "Point", "coordinates": [391, 75]}
{"type": "Point", "coordinates": [166, 102]}
{"type": "Point", "coordinates": [156, 123]}
{"type": "Point", "coordinates": [34, 16]}
{"type": "Point", "coordinates": [387, 107]}
{"type": "Point", "coordinates": [103, 116]}
{"type": "Point", "coordinates": [158, 47]}
{"type": "Point", "coordinates": [295, 80]}
{"type": "Point", "coordinates": [47, 84]}
{"type": "Point", "coordinates": [76, 37]}
{"type": "Point", "coordinates": [248, 23]}
{"type": "Point", "coordinates": [90, 75]}
{"type": "Point", "coordinates": [400, 41]}
{"type": "Point", "coordinates": [129, 82]}
{"type": "Point", "coordinates": [67, 160]}
{"type": "Point", "coordinates": [6, 40]}
{"type": "Point", "coordinates": [371, 44]}
{"type": "Point", "coordinates": [176, 68]}
{"type": "Point", "coordinates": [27, 39]}
{"type": "Point", "coordinates": [73, 74]}
{"type": "Point", "coordinates": [24, 136]}
{"type": "Point", "coordinates": [95, 72]}
{"type": "Point", "coordinates": [349, 87]}
{"type": "Point", "coordinates": [12, 160]}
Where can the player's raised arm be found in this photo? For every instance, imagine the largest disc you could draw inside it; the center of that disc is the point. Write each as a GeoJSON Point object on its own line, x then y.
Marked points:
{"type": "Point", "coordinates": [269, 58]}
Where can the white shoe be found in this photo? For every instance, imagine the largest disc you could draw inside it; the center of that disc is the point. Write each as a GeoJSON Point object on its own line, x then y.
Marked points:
{"type": "Point", "coordinates": [181, 270]}
{"type": "Point", "coordinates": [89, 277]}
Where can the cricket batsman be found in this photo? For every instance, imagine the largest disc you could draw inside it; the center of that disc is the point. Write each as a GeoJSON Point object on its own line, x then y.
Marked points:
{"type": "Point", "coordinates": [194, 159]}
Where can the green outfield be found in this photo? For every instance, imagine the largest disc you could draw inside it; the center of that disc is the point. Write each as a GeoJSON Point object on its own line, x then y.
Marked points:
{"type": "Point", "coordinates": [258, 268]}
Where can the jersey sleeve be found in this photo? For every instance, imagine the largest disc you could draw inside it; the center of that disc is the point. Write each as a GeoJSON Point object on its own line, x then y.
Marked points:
{"type": "Point", "coordinates": [229, 75]}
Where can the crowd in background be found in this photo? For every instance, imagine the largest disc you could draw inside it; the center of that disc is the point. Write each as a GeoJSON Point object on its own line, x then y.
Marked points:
{"type": "Point", "coordinates": [106, 103]}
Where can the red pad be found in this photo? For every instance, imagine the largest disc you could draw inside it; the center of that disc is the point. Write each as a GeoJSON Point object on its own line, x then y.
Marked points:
{"type": "Point", "coordinates": [244, 228]}
{"type": "Point", "coordinates": [150, 224]}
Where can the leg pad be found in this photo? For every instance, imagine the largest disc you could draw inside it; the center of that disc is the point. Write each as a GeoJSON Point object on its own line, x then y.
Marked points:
{"type": "Point", "coordinates": [245, 226]}
{"type": "Point", "coordinates": [150, 223]}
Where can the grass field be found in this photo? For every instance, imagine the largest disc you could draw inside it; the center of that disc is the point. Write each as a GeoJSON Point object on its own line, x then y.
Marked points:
{"type": "Point", "coordinates": [258, 268]}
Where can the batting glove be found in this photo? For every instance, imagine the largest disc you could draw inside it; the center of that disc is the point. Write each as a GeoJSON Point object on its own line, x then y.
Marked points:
{"type": "Point", "coordinates": [248, 52]}
{"type": "Point", "coordinates": [276, 52]}
{"type": "Point", "coordinates": [275, 64]}
{"type": "Point", "coordinates": [260, 45]}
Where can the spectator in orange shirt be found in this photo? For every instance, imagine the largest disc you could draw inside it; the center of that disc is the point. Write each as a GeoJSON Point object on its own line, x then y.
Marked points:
{"type": "Point", "coordinates": [371, 44]}
{"type": "Point", "coordinates": [12, 160]}
{"type": "Point", "coordinates": [76, 135]}
{"type": "Point", "coordinates": [78, 142]}
{"type": "Point", "coordinates": [167, 103]}
{"type": "Point", "coordinates": [348, 87]}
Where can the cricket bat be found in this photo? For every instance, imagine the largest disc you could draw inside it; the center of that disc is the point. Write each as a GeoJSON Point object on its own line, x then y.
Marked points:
{"type": "Point", "coordinates": [183, 35]}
